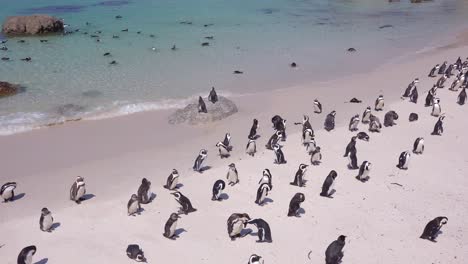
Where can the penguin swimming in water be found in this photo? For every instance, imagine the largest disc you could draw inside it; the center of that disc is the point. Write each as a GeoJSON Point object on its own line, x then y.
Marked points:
{"type": "Point", "coordinates": [264, 231]}
{"type": "Point", "coordinates": [330, 121]}
{"type": "Point", "coordinates": [433, 227]}
{"type": "Point", "coordinates": [279, 155]}
{"type": "Point", "coordinates": [375, 125]}
{"type": "Point", "coordinates": [255, 259]}
{"type": "Point", "coordinates": [461, 99]}
{"type": "Point", "coordinates": [414, 96]}
{"type": "Point", "coordinates": [295, 205]}
{"type": "Point", "coordinates": [353, 123]}
{"type": "Point", "coordinates": [235, 225]}
{"type": "Point", "coordinates": [418, 146]}
{"type": "Point", "coordinates": [274, 139]}
{"type": "Point", "coordinates": [327, 187]}
{"type": "Point", "coordinates": [403, 160]}
{"type": "Point", "coordinates": [364, 171]}
{"type": "Point", "coordinates": [133, 205]}
{"type": "Point", "coordinates": [223, 150]}
{"type": "Point", "coordinates": [26, 255]}
{"type": "Point", "coordinates": [232, 175]}
{"type": "Point", "coordinates": [299, 177]}
{"type": "Point", "coordinates": [78, 190]}
{"type": "Point", "coordinates": [262, 192]}
{"type": "Point", "coordinates": [433, 70]}
{"type": "Point", "coordinates": [217, 190]}
{"type": "Point", "coordinates": [172, 180]}
{"type": "Point", "coordinates": [253, 130]}
{"type": "Point", "coordinates": [351, 145]}
{"type": "Point", "coordinates": [7, 192]}
{"type": "Point", "coordinates": [366, 115]}
{"type": "Point", "coordinates": [266, 178]}
{"type": "Point", "coordinates": [251, 147]}
{"type": "Point", "coordinates": [46, 220]}
{"type": "Point", "coordinates": [436, 109]}
{"type": "Point", "coordinates": [184, 202]}
{"type": "Point", "coordinates": [213, 96]}
{"type": "Point", "coordinates": [389, 119]}
{"type": "Point", "coordinates": [170, 226]}
{"type": "Point", "coordinates": [442, 68]}
{"type": "Point", "coordinates": [136, 253]}
{"type": "Point", "coordinates": [316, 157]}
{"type": "Point", "coordinates": [201, 105]}
{"type": "Point", "coordinates": [317, 107]}
{"type": "Point", "coordinates": [379, 103]}
{"type": "Point", "coordinates": [334, 253]}
{"type": "Point", "coordinates": [438, 128]}
{"type": "Point", "coordinates": [144, 191]}
{"type": "Point", "coordinates": [197, 166]}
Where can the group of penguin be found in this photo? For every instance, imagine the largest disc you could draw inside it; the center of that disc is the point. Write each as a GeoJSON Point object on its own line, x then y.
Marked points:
{"type": "Point", "coordinates": [237, 222]}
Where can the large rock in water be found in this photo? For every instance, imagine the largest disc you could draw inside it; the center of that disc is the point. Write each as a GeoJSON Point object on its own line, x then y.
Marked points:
{"type": "Point", "coordinates": [7, 89]}
{"type": "Point", "coordinates": [32, 25]}
{"type": "Point", "coordinates": [220, 110]}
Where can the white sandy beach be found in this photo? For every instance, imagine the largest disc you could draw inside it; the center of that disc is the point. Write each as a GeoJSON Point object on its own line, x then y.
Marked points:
{"type": "Point", "coordinates": [382, 221]}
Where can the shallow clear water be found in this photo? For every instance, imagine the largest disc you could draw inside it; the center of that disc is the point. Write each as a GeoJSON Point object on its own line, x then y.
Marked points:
{"type": "Point", "coordinates": [260, 38]}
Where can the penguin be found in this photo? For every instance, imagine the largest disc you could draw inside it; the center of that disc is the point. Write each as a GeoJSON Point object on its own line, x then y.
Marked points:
{"type": "Point", "coordinates": [172, 180]}
{"type": "Point", "coordinates": [316, 157]}
{"type": "Point", "coordinates": [279, 124]}
{"type": "Point", "coordinates": [351, 145]}
{"type": "Point", "coordinates": [441, 81]}
{"type": "Point", "coordinates": [432, 228]}
{"type": "Point", "coordinates": [363, 136]}
{"type": "Point", "coordinates": [418, 146]}
{"type": "Point", "coordinates": [78, 190]}
{"type": "Point", "coordinates": [274, 139]}
{"type": "Point", "coordinates": [232, 175]}
{"type": "Point", "coordinates": [379, 103]}
{"type": "Point", "coordinates": [389, 119]}
{"type": "Point", "coordinates": [364, 171]}
{"type": "Point", "coordinates": [262, 192]}
{"type": "Point", "coordinates": [251, 147]}
{"type": "Point", "coordinates": [26, 59]}
{"type": "Point", "coordinates": [311, 146]}
{"type": "Point", "coordinates": [255, 259]}
{"type": "Point", "coordinates": [353, 123]}
{"type": "Point", "coordinates": [317, 107]}
{"type": "Point", "coordinates": [144, 192]}
{"type": "Point", "coordinates": [227, 141]}
{"type": "Point", "coordinates": [46, 220]}
{"type": "Point", "coordinates": [170, 226]}
{"type": "Point", "coordinates": [253, 130]}
{"type": "Point", "coordinates": [375, 125]}
{"type": "Point", "coordinates": [197, 166]}
{"type": "Point", "coordinates": [454, 86]}
{"type": "Point", "coordinates": [295, 205]}
{"type": "Point", "coordinates": [133, 205]}
{"type": "Point", "coordinates": [201, 105]}
{"type": "Point", "coordinates": [366, 115]}
{"type": "Point", "coordinates": [223, 150]}
{"type": "Point", "coordinates": [414, 95]}
{"type": "Point", "coordinates": [266, 178]}
{"type": "Point", "coordinates": [213, 97]}
{"type": "Point", "coordinates": [353, 160]}
{"type": "Point", "coordinates": [461, 99]}
{"type": "Point", "coordinates": [334, 253]}
{"type": "Point", "coordinates": [264, 231]}
{"type": "Point", "coordinates": [413, 117]}
{"type": "Point", "coordinates": [442, 68]}
{"type": "Point", "coordinates": [438, 128]}
{"type": "Point", "coordinates": [184, 202]}
{"type": "Point", "coordinates": [449, 70]}
{"type": "Point", "coordinates": [307, 137]}
{"type": "Point", "coordinates": [7, 192]}
{"type": "Point", "coordinates": [136, 253]}
{"type": "Point", "coordinates": [217, 190]}
{"type": "Point", "coordinates": [26, 255]}
{"type": "Point", "coordinates": [327, 187]}
{"type": "Point", "coordinates": [235, 225]}
{"type": "Point", "coordinates": [5, 59]}
{"type": "Point", "coordinates": [299, 177]}
{"type": "Point", "coordinates": [458, 63]}
{"type": "Point", "coordinates": [279, 155]}
{"type": "Point", "coordinates": [410, 88]}
{"type": "Point", "coordinates": [403, 160]}
{"type": "Point", "coordinates": [306, 123]}
{"type": "Point", "coordinates": [436, 109]}
{"type": "Point", "coordinates": [3, 48]}
{"type": "Point", "coordinates": [430, 95]}
{"type": "Point", "coordinates": [330, 121]}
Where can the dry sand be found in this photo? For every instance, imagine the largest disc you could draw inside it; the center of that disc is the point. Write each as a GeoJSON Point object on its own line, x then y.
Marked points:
{"type": "Point", "coordinates": [382, 221]}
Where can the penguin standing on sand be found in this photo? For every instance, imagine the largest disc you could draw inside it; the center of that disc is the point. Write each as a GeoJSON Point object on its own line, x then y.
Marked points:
{"type": "Point", "coordinates": [403, 160]}
{"type": "Point", "coordinates": [197, 166]}
{"type": "Point", "coordinates": [262, 192]}
{"type": "Point", "coordinates": [172, 180]}
{"type": "Point", "coordinates": [170, 226]}
{"type": "Point", "coordinates": [461, 99]}
{"type": "Point", "coordinates": [133, 205]}
{"type": "Point", "coordinates": [442, 68]}
{"type": "Point", "coordinates": [433, 227]}
{"type": "Point", "coordinates": [299, 177]}
{"type": "Point", "coordinates": [279, 124]}
{"type": "Point", "coordinates": [264, 231]}
{"type": "Point", "coordinates": [253, 130]}
{"type": "Point", "coordinates": [7, 192]}
{"type": "Point", "coordinates": [46, 220]}
{"type": "Point", "coordinates": [201, 105]}
{"type": "Point", "coordinates": [78, 190]}
{"type": "Point", "coordinates": [255, 259]}
{"type": "Point", "coordinates": [414, 95]}
{"type": "Point", "coordinates": [266, 178]}
{"type": "Point", "coordinates": [410, 88]}
{"type": "Point", "coordinates": [26, 255]}
{"type": "Point", "coordinates": [449, 70]}
{"type": "Point", "coordinates": [316, 156]}
{"type": "Point", "coordinates": [232, 175]}
{"type": "Point", "coordinates": [389, 119]}
{"type": "Point", "coordinates": [440, 83]}
{"type": "Point", "coordinates": [418, 146]}
{"type": "Point", "coordinates": [363, 136]}
{"type": "Point", "coordinates": [307, 136]}
{"type": "Point", "coordinates": [438, 128]}
{"type": "Point", "coordinates": [251, 147]}
{"type": "Point", "coordinates": [364, 171]}
{"type": "Point", "coordinates": [317, 107]}
{"type": "Point", "coordinates": [379, 103]}
{"type": "Point", "coordinates": [328, 184]}
{"type": "Point", "coordinates": [279, 155]}
{"type": "Point", "coordinates": [213, 97]}
{"type": "Point", "coordinates": [186, 205]}
{"type": "Point", "coordinates": [144, 192]}
{"type": "Point", "coordinates": [217, 190]}
{"type": "Point", "coordinates": [274, 139]}
{"type": "Point", "coordinates": [330, 121]}
{"type": "Point", "coordinates": [366, 115]}
{"type": "Point", "coordinates": [334, 253]}
{"type": "Point", "coordinates": [311, 146]}
{"type": "Point", "coordinates": [227, 141]}
{"type": "Point", "coordinates": [223, 150]}
{"type": "Point", "coordinates": [235, 225]}
{"type": "Point", "coordinates": [351, 145]}
{"type": "Point", "coordinates": [353, 123]}
{"type": "Point", "coordinates": [375, 125]}
{"type": "Point", "coordinates": [136, 253]}
{"type": "Point", "coordinates": [436, 109]}
{"type": "Point", "coordinates": [353, 160]}
{"type": "Point", "coordinates": [430, 96]}
{"type": "Point", "coordinates": [295, 205]}
{"type": "Point", "coordinates": [432, 73]}
{"type": "Point", "coordinates": [454, 86]}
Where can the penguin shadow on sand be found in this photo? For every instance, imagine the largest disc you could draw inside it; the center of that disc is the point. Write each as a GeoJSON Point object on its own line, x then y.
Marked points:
{"type": "Point", "coordinates": [87, 197]}
{"type": "Point", "coordinates": [332, 192]}
{"type": "Point", "coordinates": [42, 261]}
{"type": "Point", "coordinates": [179, 231]}
{"type": "Point", "coordinates": [363, 179]}
{"type": "Point", "coordinates": [300, 212]}
{"type": "Point", "coordinates": [266, 201]}
{"type": "Point", "coordinates": [247, 231]}
{"type": "Point", "coordinates": [205, 168]}
{"type": "Point", "coordinates": [55, 226]}
{"type": "Point", "coordinates": [17, 197]}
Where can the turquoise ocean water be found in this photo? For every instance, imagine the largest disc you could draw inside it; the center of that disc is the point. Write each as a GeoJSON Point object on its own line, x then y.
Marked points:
{"type": "Point", "coordinates": [69, 77]}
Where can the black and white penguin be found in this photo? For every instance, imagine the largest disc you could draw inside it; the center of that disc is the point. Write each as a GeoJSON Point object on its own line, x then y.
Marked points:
{"type": "Point", "coordinates": [439, 128]}
{"type": "Point", "coordinates": [217, 190]}
{"type": "Point", "coordinates": [186, 205]}
{"type": "Point", "coordinates": [170, 226]}
{"type": "Point", "coordinates": [172, 180]}
{"type": "Point", "coordinates": [133, 205]}
{"type": "Point", "coordinates": [353, 160]}
{"type": "Point", "coordinates": [440, 83]}
{"type": "Point", "coordinates": [379, 103]}
{"type": "Point", "coordinates": [299, 177]}
{"type": "Point", "coordinates": [432, 228]}
{"type": "Point", "coordinates": [353, 123]}
{"type": "Point", "coordinates": [78, 190]}
{"type": "Point", "coordinates": [227, 141]}
{"type": "Point", "coordinates": [213, 97]}
{"type": "Point", "coordinates": [266, 178]}
{"type": "Point", "coordinates": [317, 107]}
{"type": "Point", "coordinates": [413, 117]}
{"type": "Point", "coordinates": [390, 117]}
{"type": "Point", "coordinates": [46, 220]}
{"type": "Point", "coordinates": [26, 255]}
{"type": "Point", "coordinates": [366, 115]}
{"type": "Point", "coordinates": [430, 95]}
{"type": "Point", "coordinates": [136, 253]}
{"type": "Point", "coordinates": [307, 136]}
{"type": "Point", "coordinates": [279, 155]}
{"type": "Point", "coordinates": [351, 145]}
{"type": "Point", "coordinates": [253, 130]}
{"type": "Point", "coordinates": [274, 139]}
{"type": "Point", "coordinates": [334, 253]}
{"type": "Point", "coordinates": [316, 156]}
{"type": "Point", "coordinates": [306, 123]}
{"type": "Point", "coordinates": [264, 231]}
{"type": "Point", "coordinates": [201, 105]}
{"type": "Point", "coordinates": [433, 71]}
{"type": "Point", "coordinates": [330, 121]}
{"type": "Point", "coordinates": [364, 171]}
{"type": "Point", "coordinates": [235, 224]}
{"type": "Point", "coordinates": [279, 124]}
{"type": "Point", "coordinates": [410, 88]}
{"type": "Point", "coordinates": [7, 192]}
{"type": "Point", "coordinates": [255, 259]}
{"type": "Point", "coordinates": [295, 205]}
{"type": "Point", "coordinates": [328, 184]}
{"type": "Point", "coordinates": [251, 147]}
{"type": "Point", "coordinates": [375, 125]}
{"type": "Point", "coordinates": [223, 150]}
{"type": "Point", "coordinates": [144, 192]}
{"type": "Point", "coordinates": [311, 146]}
{"type": "Point", "coordinates": [414, 95]}
{"type": "Point", "coordinates": [454, 85]}
{"type": "Point", "coordinates": [449, 71]}
{"type": "Point", "coordinates": [418, 146]}
{"type": "Point", "coordinates": [461, 99]}
{"type": "Point", "coordinates": [436, 109]}
{"type": "Point", "coordinates": [262, 193]}
{"type": "Point", "coordinates": [403, 160]}
{"type": "Point", "coordinates": [197, 166]}
{"type": "Point", "coordinates": [442, 68]}
{"type": "Point", "coordinates": [232, 175]}
{"type": "Point", "coordinates": [363, 136]}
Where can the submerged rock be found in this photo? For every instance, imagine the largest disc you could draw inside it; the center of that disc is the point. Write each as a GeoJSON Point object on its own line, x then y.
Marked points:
{"type": "Point", "coordinates": [70, 110]}
{"type": "Point", "coordinates": [222, 109]}
{"type": "Point", "coordinates": [32, 25]}
{"type": "Point", "coordinates": [7, 89]}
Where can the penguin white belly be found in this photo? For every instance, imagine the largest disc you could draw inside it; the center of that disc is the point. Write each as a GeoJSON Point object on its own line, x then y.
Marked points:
{"type": "Point", "coordinates": [262, 197]}
{"type": "Point", "coordinates": [223, 151]}
{"type": "Point", "coordinates": [149, 194]}
{"type": "Point", "coordinates": [436, 110]}
{"type": "Point", "coordinates": [316, 108]}
{"type": "Point", "coordinates": [250, 149]}
{"type": "Point", "coordinates": [366, 118]}
{"type": "Point", "coordinates": [133, 208]}
{"type": "Point", "coordinates": [311, 147]}
{"type": "Point", "coordinates": [264, 180]}
{"type": "Point", "coordinates": [81, 191]}
{"type": "Point", "coordinates": [419, 148]}
{"type": "Point", "coordinates": [307, 139]}
{"type": "Point", "coordinates": [365, 173]}
{"type": "Point", "coordinates": [380, 105]}
{"type": "Point", "coordinates": [8, 193]}
{"type": "Point", "coordinates": [232, 177]}
{"type": "Point", "coordinates": [316, 157]}
{"type": "Point", "coordinates": [47, 222]}
{"type": "Point", "coordinates": [330, 189]}
{"type": "Point", "coordinates": [174, 183]}
{"type": "Point", "coordinates": [172, 229]}
{"type": "Point", "coordinates": [354, 126]}
{"type": "Point", "coordinates": [28, 259]}
{"type": "Point", "coordinates": [237, 228]}
{"type": "Point", "coordinates": [405, 165]}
